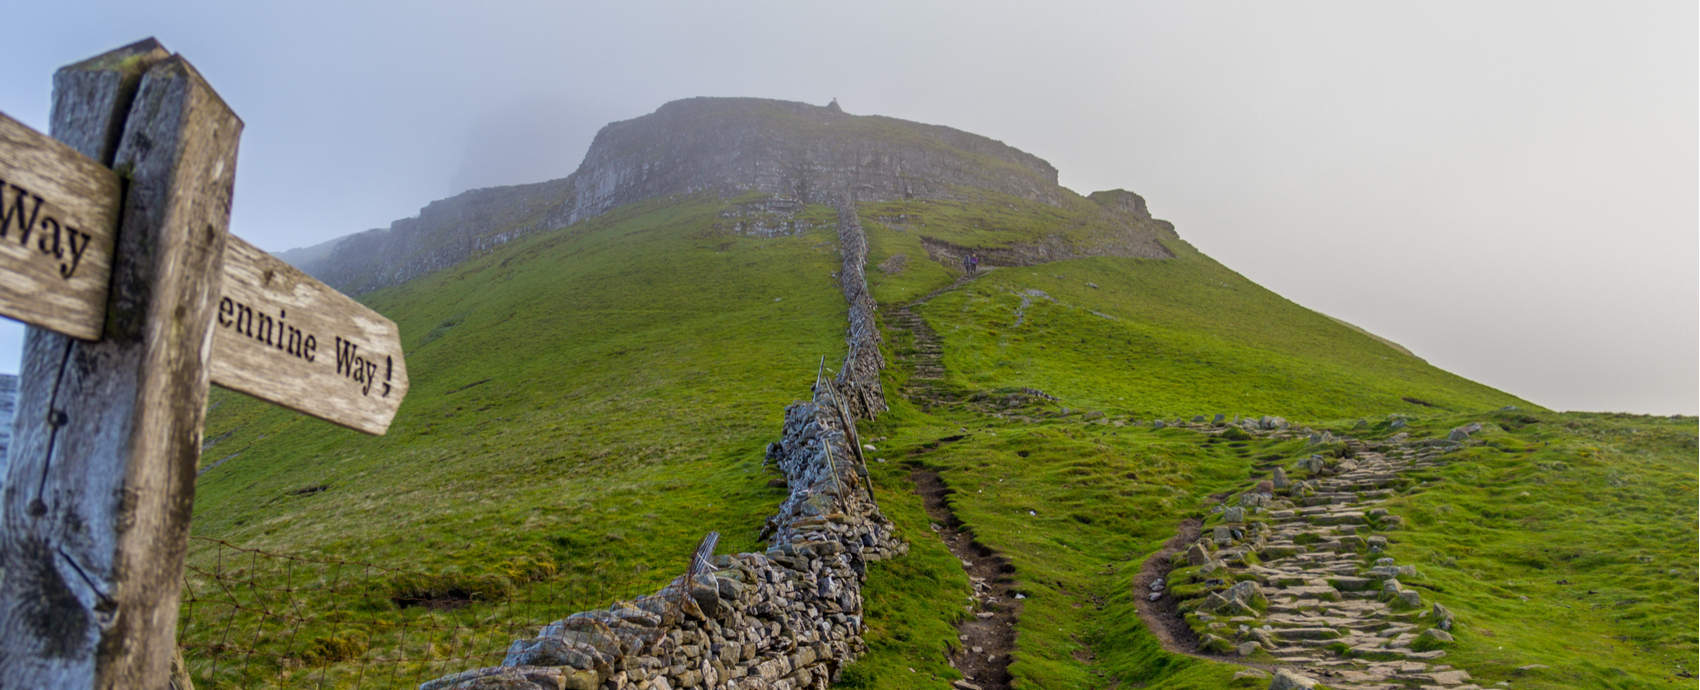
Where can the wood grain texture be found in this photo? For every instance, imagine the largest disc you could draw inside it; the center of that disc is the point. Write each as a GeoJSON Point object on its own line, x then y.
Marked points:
{"type": "Point", "coordinates": [98, 489]}
{"type": "Point", "coordinates": [58, 217]}
{"type": "Point", "coordinates": [283, 336]}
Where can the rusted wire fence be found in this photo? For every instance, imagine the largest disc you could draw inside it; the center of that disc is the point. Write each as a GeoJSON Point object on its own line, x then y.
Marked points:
{"type": "Point", "coordinates": [251, 618]}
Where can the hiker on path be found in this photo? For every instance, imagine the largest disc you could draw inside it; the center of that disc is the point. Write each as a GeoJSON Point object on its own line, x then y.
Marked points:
{"type": "Point", "coordinates": [967, 263]}
{"type": "Point", "coordinates": [973, 263]}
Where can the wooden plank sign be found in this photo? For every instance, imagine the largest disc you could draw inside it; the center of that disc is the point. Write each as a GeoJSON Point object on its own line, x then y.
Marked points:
{"type": "Point", "coordinates": [278, 334]}
{"type": "Point", "coordinates": [282, 336]}
{"type": "Point", "coordinates": [58, 215]}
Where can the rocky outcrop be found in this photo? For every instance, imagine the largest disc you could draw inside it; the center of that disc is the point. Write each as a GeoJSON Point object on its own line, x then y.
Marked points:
{"type": "Point", "coordinates": [805, 152]}
{"type": "Point", "coordinates": [444, 233]}
{"type": "Point", "coordinates": [789, 153]}
{"type": "Point", "coordinates": [785, 619]}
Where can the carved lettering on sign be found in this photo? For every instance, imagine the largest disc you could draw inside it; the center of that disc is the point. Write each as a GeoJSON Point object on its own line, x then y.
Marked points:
{"type": "Point", "coordinates": [58, 239]}
{"type": "Point", "coordinates": [58, 221]}
{"type": "Point", "coordinates": [282, 336]}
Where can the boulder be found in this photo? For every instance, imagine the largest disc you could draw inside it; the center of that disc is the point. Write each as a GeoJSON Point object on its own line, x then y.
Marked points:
{"type": "Point", "coordinates": [1248, 593]}
{"type": "Point", "coordinates": [1442, 617]}
{"type": "Point", "coordinates": [1279, 478]}
{"type": "Point", "coordinates": [1287, 679]}
{"type": "Point", "coordinates": [1196, 555]}
{"type": "Point", "coordinates": [1433, 638]}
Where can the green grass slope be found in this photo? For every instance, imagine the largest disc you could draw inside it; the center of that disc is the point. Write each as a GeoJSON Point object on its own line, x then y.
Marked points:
{"type": "Point", "coordinates": [1567, 545]}
{"type": "Point", "coordinates": [1153, 337]}
{"type": "Point", "coordinates": [1566, 541]}
{"type": "Point", "coordinates": [586, 404]}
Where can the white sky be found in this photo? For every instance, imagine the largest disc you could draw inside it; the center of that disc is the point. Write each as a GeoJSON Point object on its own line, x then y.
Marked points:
{"type": "Point", "coordinates": [1507, 188]}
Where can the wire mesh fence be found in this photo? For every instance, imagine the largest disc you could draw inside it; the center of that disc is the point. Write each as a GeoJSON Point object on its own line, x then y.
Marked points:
{"type": "Point", "coordinates": [251, 618]}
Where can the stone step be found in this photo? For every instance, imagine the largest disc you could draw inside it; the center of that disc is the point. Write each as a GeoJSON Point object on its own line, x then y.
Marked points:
{"type": "Point", "coordinates": [1312, 633]}
{"type": "Point", "coordinates": [1343, 518]}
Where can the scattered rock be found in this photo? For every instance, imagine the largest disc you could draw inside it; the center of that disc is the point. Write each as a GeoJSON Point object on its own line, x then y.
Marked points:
{"type": "Point", "coordinates": [1431, 639]}
{"type": "Point", "coordinates": [1286, 679]}
{"type": "Point", "coordinates": [1442, 617]}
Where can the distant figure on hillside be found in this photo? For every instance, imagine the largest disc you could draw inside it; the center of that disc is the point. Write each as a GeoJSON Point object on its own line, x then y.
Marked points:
{"type": "Point", "coordinates": [973, 263]}
{"type": "Point", "coordinates": [967, 263]}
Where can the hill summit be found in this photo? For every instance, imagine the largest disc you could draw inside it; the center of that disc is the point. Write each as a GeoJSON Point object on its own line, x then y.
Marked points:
{"type": "Point", "coordinates": [789, 154]}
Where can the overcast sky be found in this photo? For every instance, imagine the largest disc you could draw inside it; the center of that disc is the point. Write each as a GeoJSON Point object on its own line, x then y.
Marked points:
{"type": "Point", "coordinates": [1507, 188]}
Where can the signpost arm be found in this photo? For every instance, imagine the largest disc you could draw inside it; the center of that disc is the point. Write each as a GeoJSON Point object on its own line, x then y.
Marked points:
{"type": "Point", "coordinates": [97, 494]}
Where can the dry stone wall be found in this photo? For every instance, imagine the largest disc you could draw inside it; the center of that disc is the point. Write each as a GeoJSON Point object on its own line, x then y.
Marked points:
{"type": "Point", "coordinates": [859, 378]}
{"type": "Point", "coordinates": [785, 619]}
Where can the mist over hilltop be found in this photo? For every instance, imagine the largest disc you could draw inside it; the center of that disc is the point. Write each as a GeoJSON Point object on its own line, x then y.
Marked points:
{"type": "Point", "coordinates": [787, 151]}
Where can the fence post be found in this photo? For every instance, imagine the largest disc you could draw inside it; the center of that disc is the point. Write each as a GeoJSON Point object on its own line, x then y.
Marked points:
{"type": "Point", "coordinates": [96, 499]}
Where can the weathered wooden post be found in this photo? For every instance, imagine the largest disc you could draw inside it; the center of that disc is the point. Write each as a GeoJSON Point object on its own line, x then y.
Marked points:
{"type": "Point", "coordinates": [107, 434]}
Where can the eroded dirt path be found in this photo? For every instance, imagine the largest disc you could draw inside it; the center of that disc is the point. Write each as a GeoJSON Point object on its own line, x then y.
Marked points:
{"type": "Point", "coordinates": [989, 636]}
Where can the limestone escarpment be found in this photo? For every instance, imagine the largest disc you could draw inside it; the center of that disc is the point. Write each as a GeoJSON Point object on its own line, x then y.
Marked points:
{"type": "Point", "coordinates": [799, 151]}
{"type": "Point", "coordinates": [792, 153]}
{"type": "Point", "coordinates": [445, 232]}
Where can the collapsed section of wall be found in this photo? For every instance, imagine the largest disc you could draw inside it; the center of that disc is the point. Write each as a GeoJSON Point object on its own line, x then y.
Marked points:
{"type": "Point", "coordinates": [785, 619]}
{"type": "Point", "coordinates": [859, 378]}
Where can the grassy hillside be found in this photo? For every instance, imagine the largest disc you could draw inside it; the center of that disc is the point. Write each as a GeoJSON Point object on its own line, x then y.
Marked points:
{"type": "Point", "coordinates": [1152, 337]}
{"type": "Point", "coordinates": [587, 402]}
{"type": "Point", "coordinates": [1077, 493]}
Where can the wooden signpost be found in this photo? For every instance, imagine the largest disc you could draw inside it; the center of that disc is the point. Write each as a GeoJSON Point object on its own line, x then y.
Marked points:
{"type": "Point", "coordinates": [136, 298]}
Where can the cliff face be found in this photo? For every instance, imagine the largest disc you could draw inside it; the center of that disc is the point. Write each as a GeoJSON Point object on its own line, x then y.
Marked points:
{"type": "Point", "coordinates": [809, 153]}
{"type": "Point", "coordinates": [444, 233]}
{"type": "Point", "coordinates": [727, 146]}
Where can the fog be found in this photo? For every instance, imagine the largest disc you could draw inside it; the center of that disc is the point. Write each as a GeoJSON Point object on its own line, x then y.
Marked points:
{"type": "Point", "coordinates": [1508, 189]}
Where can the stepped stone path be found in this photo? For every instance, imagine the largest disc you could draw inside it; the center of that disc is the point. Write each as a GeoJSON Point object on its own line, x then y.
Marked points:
{"type": "Point", "coordinates": [926, 363]}
{"type": "Point", "coordinates": [1291, 576]}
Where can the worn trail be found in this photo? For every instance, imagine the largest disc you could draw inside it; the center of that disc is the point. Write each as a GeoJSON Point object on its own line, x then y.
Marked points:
{"type": "Point", "coordinates": [988, 637]}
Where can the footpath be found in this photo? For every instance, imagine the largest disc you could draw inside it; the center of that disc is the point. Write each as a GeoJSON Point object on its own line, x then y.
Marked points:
{"type": "Point", "coordinates": [1291, 576]}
